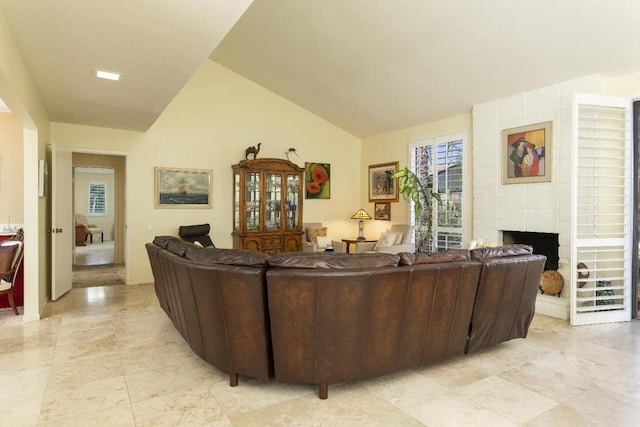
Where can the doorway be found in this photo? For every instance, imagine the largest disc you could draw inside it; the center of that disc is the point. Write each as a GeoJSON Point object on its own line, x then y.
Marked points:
{"type": "Point", "coordinates": [98, 195]}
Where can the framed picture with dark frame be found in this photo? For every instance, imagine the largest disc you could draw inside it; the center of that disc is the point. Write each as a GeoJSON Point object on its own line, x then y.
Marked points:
{"type": "Point", "coordinates": [383, 188]}
{"type": "Point", "coordinates": [183, 188]}
{"type": "Point", "coordinates": [526, 154]}
{"type": "Point", "coordinates": [382, 211]}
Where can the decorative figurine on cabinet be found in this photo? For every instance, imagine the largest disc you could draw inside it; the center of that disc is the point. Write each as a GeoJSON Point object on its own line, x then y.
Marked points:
{"type": "Point", "coordinates": [252, 150]}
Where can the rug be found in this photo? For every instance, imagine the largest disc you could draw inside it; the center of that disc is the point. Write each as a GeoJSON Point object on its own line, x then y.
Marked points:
{"type": "Point", "coordinates": [85, 276]}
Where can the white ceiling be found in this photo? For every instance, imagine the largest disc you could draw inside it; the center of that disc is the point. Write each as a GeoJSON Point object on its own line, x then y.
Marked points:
{"type": "Point", "coordinates": [156, 44]}
{"type": "Point", "coordinates": [368, 66]}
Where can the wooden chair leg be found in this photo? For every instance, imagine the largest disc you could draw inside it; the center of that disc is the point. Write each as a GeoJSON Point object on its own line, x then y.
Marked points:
{"type": "Point", "coordinates": [12, 303]}
{"type": "Point", "coordinates": [233, 379]}
{"type": "Point", "coordinates": [324, 390]}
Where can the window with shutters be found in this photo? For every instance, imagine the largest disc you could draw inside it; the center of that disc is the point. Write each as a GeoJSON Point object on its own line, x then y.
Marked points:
{"type": "Point", "coordinates": [438, 162]}
{"type": "Point", "coordinates": [97, 198]}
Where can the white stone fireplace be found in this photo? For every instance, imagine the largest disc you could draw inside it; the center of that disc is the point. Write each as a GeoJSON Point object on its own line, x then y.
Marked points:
{"type": "Point", "coordinates": [533, 207]}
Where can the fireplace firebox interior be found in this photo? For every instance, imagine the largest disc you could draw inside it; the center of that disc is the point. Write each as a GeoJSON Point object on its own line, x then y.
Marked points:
{"type": "Point", "coordinates": [543, 244]}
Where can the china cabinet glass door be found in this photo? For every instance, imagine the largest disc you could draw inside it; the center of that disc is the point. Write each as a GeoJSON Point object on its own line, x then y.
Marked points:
{"type": "Point", "coordinates": [253, 201]}
{"type": "Point", "coordinates": [273, 195]}
{"type": "Point", "coordinates": [291, 206]}
{"type": "Point", "coordinates": [236, 201]}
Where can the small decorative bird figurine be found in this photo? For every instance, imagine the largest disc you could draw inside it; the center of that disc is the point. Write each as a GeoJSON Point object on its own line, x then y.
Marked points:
{"type": "Point", "coordinates": [291, 150]}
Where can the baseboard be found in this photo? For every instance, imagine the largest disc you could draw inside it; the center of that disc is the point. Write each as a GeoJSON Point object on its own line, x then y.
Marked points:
{"type": "Point", "coordinates": [553, 306]}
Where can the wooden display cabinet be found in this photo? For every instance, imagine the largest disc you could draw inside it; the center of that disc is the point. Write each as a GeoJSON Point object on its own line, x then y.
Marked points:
{"type": "Point", "coordinates": [267, 205]}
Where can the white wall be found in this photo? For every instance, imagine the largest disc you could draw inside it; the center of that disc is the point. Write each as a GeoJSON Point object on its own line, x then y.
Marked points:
{"type": "Point", "coordinates": [20, 95]}
{"type": "Point", "coordinates": [11, 169]}
{"type": "Point", "coordinates": [538, 207]}
{"type": "Point", "coordinates": [208, 126]}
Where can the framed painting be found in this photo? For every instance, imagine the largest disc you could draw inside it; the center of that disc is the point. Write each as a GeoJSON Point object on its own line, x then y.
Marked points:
{"type": "Point", "coordinates": [383, 188]}
{"type": "Point", "coordinates": [317, 180]}
{"type": "Point", "coordinates": [382, 211]}
{"type": "Point", "coordinates": [183, 188]}
{"type": "Point", "coordinates": [526, 154]}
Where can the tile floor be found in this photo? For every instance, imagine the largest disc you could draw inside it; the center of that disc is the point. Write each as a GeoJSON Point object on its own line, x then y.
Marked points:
{"type": "Point", "coordinates": [109, 356]}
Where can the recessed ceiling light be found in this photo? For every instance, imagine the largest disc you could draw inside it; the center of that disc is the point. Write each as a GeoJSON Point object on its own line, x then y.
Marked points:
{"type": "Point", "coordinates": [108, 75]}
{"type": "Point", "coordinates": [3, 107]}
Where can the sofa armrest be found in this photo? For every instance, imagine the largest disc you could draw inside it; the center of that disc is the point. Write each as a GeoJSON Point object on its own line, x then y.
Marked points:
{"type": "Point", "coordinates": [309, 247]}
{"type": "Point", "coordinates": [365, 247]}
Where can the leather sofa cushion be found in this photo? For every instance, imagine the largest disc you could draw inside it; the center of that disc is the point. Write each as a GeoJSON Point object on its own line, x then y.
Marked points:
{"type": "Point", "coordinates": [501, 251]}
{"type": "Point", "coordinates": [162, 241]}
{"type": "Point", "coordinates": [408, 258]}
{"type": "Point", "coordinates": [229, 257]}
{"type": "Point", "coordinates": [332, 260]}
{"type": "Point", "coordinates": [175, 245]}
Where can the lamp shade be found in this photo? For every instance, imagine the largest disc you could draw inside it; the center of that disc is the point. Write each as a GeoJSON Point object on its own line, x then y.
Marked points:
{"type": "Point", "coordinates": [361, 214]}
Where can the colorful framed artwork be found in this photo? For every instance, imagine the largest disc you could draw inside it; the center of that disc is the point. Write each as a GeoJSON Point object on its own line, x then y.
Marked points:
{"type": "Point", "coordinates": [382, 211]}
{"type": "Point", "coordinates": [317, 180]}
{"type": "Point", "coordinates": [383, 188]}
{"type": "Point", "coordinates": [526, 154]}
{"type": "Point", "coordinates": [183, 188]}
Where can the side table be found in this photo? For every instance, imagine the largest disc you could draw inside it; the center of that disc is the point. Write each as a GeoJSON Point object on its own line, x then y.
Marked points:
{"type": "Point", "coordinates": [355, 242]}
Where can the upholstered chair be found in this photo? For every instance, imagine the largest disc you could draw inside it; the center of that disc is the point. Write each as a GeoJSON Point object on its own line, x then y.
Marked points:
{"type": "Point", "coordinates": [89, 229]}
{"type": "Point", "coordinates": [315, 239]}
{"type": "Point", "coordinates": [394, 240]}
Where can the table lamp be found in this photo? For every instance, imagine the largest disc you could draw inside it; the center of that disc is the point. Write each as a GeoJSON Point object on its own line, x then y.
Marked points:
{"type": "Point", "coordinates": [361, 214]}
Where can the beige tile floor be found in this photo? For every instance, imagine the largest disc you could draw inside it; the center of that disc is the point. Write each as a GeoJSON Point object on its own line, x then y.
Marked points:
{"type": "Point", "coordinates": [109, 356]}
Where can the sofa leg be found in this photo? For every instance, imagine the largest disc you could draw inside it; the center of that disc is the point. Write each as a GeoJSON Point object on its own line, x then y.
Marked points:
{"type": "Point", "coordinates": [324, 391]}
{"type": "Point", "coordinates": [233, 379]}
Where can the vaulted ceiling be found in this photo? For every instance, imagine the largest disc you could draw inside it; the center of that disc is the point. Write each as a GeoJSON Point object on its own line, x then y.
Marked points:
{"type": "Point", "coordinates": [368, 66]}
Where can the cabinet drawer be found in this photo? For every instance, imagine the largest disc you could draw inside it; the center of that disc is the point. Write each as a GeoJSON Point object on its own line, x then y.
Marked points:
{"type": "Point", "coordinates": [270, 242]}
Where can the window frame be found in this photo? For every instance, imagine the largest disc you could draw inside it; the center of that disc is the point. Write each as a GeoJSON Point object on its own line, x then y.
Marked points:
{"type": "Point", "coordinates": [105, 210]}
{"type": "Point", "coordinates": [463, 230]}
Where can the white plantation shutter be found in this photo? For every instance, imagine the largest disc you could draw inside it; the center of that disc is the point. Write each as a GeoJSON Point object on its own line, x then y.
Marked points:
{"type": "Point", "coordinates": [97, 198]}
{"type": "Point", "coordinates": [601, 209]}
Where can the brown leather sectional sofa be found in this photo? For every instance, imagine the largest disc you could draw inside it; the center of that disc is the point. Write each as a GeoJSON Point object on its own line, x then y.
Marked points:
{"type": "Point", "coordinates": [326, 318]}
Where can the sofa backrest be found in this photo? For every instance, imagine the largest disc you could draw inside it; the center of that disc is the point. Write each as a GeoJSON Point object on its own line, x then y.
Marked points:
{"type": "Point", "coordinates": [218, 307]}
{"type": "Point", "coordinates": [507, 290]}
{"type": "Point", "coordinates": [359, 322]}
{"type": "Point", "coordinates": [332, 260]}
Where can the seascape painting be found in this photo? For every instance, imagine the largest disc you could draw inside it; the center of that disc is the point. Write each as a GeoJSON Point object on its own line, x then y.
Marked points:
{"type": "Point", "coordinates": [183, 188]}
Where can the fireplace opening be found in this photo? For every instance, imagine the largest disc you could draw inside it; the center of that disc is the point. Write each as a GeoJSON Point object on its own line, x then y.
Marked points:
{"type": "Point", "coordinates": [543, 244]}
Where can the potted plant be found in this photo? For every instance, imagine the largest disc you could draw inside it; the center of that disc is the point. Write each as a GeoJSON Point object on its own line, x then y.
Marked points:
{"type": "Point", "coordinates": [413, 190]}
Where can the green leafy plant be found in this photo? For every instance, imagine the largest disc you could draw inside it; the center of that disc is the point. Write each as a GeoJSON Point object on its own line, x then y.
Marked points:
{"type": "Point", "coordinates": [413, 190]}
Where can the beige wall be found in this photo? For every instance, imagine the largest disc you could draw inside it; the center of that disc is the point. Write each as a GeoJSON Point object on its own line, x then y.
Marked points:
{"type": "Point", "coordinates": [626, 86]}
{"type": "Point", "coordinates": [21, 96]}
{"type": "Point", "coordinates": [394, 146]}
{"type": "Point", "coordinates": [208, 126]}
{"type": "Point", "coordinates": [11, 169]}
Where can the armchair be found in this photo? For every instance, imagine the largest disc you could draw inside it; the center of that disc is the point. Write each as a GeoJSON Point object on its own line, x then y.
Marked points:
{"type": "Point", "coordinates": [198, 234]}
{"type": "Point", "coordinates": [395, 240]}
{"type": "Point", "coordinates": [315, 239]}
{"type": "Point", "coordinates": [89, 229]}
